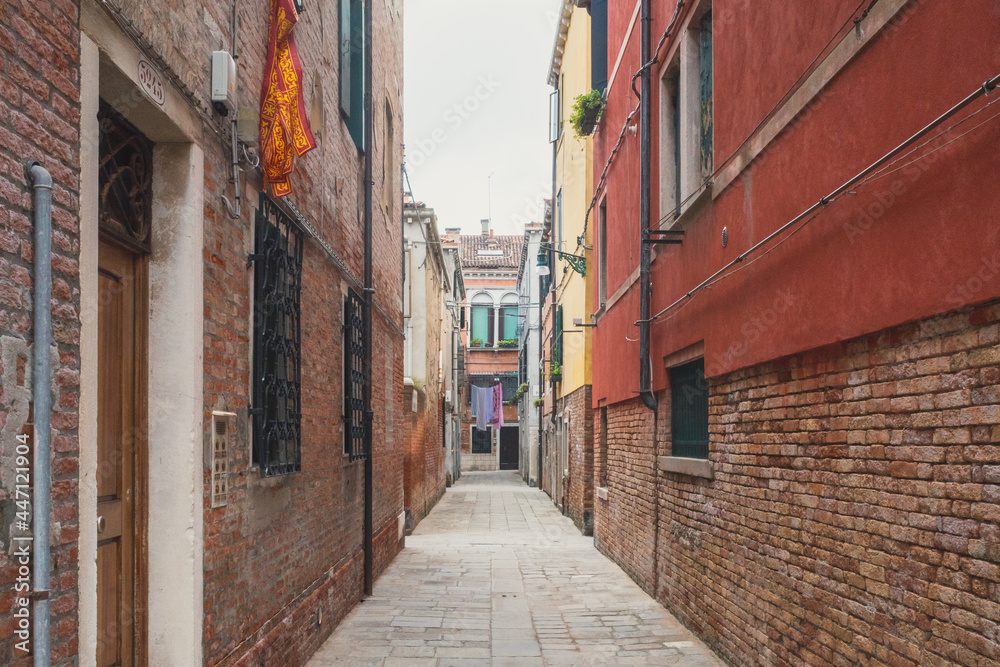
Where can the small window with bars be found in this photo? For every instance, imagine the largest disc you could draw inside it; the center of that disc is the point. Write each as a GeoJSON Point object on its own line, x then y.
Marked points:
{"type": "Point", "coordinates": [689, 410]}
{"type": "Point", "coordinates": [355, 424]}
{"type": "Point", "coordinates": [277, 399]}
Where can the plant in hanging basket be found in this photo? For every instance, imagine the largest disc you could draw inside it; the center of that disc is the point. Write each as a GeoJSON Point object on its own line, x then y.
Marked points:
{"type": "Point", "coordinates": [538, 402]}
{"type": "Point", "coordinates": [587, 110]}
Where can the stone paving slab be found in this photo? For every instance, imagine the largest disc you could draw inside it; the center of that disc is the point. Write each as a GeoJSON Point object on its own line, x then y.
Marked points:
{"type": "Point", "coordinates": [496, 576]}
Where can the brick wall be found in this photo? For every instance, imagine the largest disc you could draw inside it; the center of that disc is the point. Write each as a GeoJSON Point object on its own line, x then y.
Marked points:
{"type": "Point", "coordinates": [39, 119]}
{"type": "Point", "coordinates": [624, 522]}
{"type": "Point", "coordinates": [579, 489]}
{"type": "Point", "coordinates": [424, 480]}
{"type": "Point", "coordinates": [855, 512]}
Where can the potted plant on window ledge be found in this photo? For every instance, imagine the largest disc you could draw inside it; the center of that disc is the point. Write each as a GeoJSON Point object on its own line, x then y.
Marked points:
{"type": "Point", "coordinates": [507, 343]}
{"type": "Point", "coordinates": [587, 110]}
{"type": "Point", "coordinates": [555, 370]}
{"type": "Point", "coordinates": [476, 342]}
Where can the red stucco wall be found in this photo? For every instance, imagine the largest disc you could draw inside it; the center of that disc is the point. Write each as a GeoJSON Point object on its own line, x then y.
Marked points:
{"type": "Point", "coordinates": [918, 242]}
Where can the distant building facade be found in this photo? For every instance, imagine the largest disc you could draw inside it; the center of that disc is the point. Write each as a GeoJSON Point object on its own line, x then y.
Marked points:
{"type": "Point", "coordinates": [530, 363]}
{"type": "Point", "coordinates": [429, 325]}
{"type": "Point", "coordinates": [453, 356]}
{"type": "Point", "coordinates": [489, 270]}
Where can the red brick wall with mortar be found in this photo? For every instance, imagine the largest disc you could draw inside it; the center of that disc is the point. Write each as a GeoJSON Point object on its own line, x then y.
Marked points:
{"type": "Point", "coordinates": [284, 545]}
{"type": "Point", "coordinates": [624, 523]}
{"type": "Point", "coordinates": [855, 513]}
{"type": "Point", "coordinates": [39, 119]}
{"type": "Point", "coordinates": [424, 480]}
{"type": "Point", "coordinates": [577, 407]}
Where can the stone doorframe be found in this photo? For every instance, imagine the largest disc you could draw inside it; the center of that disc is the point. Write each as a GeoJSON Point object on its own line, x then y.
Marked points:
{"type": "Point", "coordinates": [109, 69]}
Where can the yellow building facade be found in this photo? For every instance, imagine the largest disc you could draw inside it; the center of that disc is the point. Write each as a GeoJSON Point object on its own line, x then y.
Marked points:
{"type": "Point", "coordinates": [568, 424]}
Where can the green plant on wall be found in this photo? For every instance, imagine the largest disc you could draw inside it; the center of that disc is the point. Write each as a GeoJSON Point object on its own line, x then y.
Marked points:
{"type": "Point", "coordinates": [587, 110]}
{"type": "Point", "coordinates": [507, 342]}
{"type": "Point", "coordinates": [555, 368]}
{"type": "Point", "coordinates": [521, 391]}
{"type": "Point", "coordinates": [538, 402]}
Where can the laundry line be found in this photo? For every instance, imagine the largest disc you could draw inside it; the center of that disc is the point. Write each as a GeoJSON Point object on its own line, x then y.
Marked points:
{"type": "Point", "coordinates": [487, 406]}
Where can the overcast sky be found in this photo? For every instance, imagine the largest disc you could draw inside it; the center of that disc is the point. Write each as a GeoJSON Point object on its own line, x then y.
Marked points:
{"type": "Point", "coordinates": [476, 101]}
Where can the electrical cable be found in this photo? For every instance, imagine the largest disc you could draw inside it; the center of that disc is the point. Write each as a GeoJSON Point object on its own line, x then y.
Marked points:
{"type": "Point", "coordinates": [809, 69]}
{"type": "Point", "coordinates": [816, 208]}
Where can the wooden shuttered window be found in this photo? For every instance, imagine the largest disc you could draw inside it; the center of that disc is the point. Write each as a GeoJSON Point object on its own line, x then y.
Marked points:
{"type": "Point", "coordinates": [705, 75]}
{"type": "Point", "coordinates": [352, 69]}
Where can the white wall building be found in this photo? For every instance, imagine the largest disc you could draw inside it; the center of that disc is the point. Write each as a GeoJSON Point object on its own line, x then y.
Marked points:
{"type": "Point", "coordinates": [529, 293]}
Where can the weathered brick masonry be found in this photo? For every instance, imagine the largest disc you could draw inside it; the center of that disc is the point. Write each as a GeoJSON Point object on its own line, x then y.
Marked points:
{"type": "Point", "coordinates": [854, 517]}
{"type": "Point", "coordinates": [577, 407]}
{"type": "Point", "coordinates": [281, 547]}
{"type": "Point", "coordinates": [39, 119]}
{"type": "Point", "coordinates": [424, 481]}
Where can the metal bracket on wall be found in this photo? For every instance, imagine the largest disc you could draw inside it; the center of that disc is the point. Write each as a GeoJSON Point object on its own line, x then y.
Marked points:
{"type": "Point", "coordinates": [673, 237]}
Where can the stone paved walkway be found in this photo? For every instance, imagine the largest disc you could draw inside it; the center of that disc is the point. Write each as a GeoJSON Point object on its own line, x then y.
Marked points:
{"type": "Point", "coordinates": [495, 575]}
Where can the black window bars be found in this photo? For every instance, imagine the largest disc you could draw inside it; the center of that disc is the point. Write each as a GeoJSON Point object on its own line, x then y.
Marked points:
{"type": "Point", "coordinates": [355, 425]}
{"type": "Point", "coordinates": [276, 394]}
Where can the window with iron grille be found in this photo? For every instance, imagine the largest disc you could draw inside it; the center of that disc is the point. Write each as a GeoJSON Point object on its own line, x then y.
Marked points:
{"type": "Point", "coordinates": [508, 380]}
{"type": "Point", "coordinates": [689, 410]}
{"type": "Point", "coordinates": [355, 426]}
{"type": "Point", "coordinates": [277, 398]}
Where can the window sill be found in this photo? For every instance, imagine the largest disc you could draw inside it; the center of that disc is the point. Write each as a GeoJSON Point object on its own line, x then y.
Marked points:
{"type": "Point", "coordinates": [687, 466]}
{"type": "Point", "coordinates": [271, 481]}
{"type": "Point", "coordinates": [602, 492]}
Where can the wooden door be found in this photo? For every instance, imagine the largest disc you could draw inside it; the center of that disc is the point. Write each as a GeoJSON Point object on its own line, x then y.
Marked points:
{"type": "Point", "coordinates": [120, 444]}
{"type": "Point", "coordinates": [509, 448]}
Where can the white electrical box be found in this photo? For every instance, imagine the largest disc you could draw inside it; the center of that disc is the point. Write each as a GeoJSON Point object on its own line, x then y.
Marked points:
{"type": "Point", "coordinates": [223, 82]}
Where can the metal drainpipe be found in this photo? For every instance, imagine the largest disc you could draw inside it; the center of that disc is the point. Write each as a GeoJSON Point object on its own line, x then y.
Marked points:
{"type": "Point", "coordinates": [645, 168]}
{"type": "Point", "coordinates": [369, 291]}
{"type": "Point", "coordinates": [41, 183]}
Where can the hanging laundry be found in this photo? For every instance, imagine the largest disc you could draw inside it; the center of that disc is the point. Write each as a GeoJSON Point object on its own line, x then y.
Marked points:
{"type": "Point", "coordinates": [497, 406]}
{"type": "Point", "coordinates": [483, 399]}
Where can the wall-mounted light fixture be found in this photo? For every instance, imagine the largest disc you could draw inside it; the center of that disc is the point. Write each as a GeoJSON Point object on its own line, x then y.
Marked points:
{"type": "Point", "coordinates": [300, 6]}
{"type": "Point", "coordinates": [576, 262]}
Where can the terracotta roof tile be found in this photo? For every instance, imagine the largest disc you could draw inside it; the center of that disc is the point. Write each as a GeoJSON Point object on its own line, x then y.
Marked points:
{"type": "Point", "coordinates": [491, 252]}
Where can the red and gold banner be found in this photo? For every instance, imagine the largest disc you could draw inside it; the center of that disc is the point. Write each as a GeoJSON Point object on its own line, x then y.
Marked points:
{"type": "Point", "coordinates": [284, 126]}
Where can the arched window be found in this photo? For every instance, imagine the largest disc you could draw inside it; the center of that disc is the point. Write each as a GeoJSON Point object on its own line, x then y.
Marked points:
{"type": "Point", "coordinates": [482, 320]}
{"type": "Point", "coordinates": [509, 320]}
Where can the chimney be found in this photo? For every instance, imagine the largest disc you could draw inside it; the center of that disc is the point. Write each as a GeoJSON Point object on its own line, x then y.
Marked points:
{"type": "Point", "coordinates": [486, 227]}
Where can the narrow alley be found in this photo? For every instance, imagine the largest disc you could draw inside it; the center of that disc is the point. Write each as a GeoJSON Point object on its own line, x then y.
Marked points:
{"type": "Point", "coordinates": [496, 575]}
{"type": "Point", "coordinates": [536, 332]}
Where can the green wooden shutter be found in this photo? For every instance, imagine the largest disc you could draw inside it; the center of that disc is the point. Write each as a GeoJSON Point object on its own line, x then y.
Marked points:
{"type": "Point", "coordinates": [705, 65]}
{"type": "Point", "coordinates": [352, 69]}
{"type": "Point", "coordinates": [599, 44]}
{"type": "Point", "coordinates": [557, 337]}
{"type": "Point", "coordinates": [689, 410]}
{"type": "Point", "coordinates": [480, 323]}
{"type": "Point", "coordinates": [345, 56]}
{"type": "Point", "coordinates": [510, 321]}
